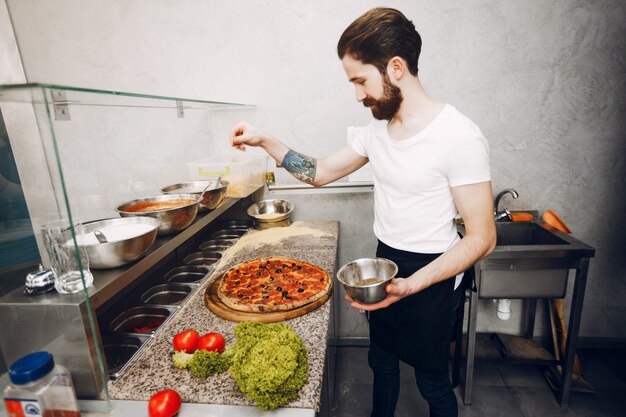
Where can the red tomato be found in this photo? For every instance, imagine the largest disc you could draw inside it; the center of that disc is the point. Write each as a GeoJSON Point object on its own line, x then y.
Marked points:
{"type": "Point", "coordinates": [186, 341]}
{"type": "Point", "coordinates": [164, 403]}
{"type": "Point", "coordinates": [212, 341]}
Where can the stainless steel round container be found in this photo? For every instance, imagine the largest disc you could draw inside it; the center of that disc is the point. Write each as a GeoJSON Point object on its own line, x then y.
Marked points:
{"type": "Point", "coordinates": [355, 276]}
{"type": "Point", "coordinates": [270, 211]}
{"type": "Point", "coordinates": [210, 198]}
{"type": "Point", "coordinates": [172, 219]}
{"type": "Point", "coordinates": [120, 252]}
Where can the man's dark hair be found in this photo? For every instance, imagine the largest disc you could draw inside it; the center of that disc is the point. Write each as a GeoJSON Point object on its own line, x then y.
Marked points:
{"type": "Point", "coordinates": [379, 35]}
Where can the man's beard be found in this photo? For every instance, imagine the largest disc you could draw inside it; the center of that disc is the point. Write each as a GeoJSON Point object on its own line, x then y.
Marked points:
{"type": "Point", "coordinates": [387, 106]}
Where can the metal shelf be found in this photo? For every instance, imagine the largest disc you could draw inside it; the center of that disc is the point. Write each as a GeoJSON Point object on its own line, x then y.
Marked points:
{"type": "Point", "coordinates": [108, 282]}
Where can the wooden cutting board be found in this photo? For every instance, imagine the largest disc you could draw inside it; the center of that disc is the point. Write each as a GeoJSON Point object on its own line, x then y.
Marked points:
{"type": "Point", "coordinates": [220, 309]}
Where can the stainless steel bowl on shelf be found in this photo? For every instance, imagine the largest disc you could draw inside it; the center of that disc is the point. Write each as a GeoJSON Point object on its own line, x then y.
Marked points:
{"type": "Point", "coordinates": [211, 198]}
{"type": "Point", "coordinates": [173, 219]}
{"type": "Point", "coordinates": [366, 279]}
{"type": "Point", "coordinates": [127, 239]}
{"type": "Point", "coordinates": [270, 211]}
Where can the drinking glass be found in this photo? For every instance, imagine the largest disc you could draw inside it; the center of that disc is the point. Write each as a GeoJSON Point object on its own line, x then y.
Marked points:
{"type": "Point", "coordinates": [69, 271]}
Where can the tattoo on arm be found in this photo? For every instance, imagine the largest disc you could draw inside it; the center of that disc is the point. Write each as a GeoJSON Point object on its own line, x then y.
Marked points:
{"type": "Point", "coordinates": [300, 166]}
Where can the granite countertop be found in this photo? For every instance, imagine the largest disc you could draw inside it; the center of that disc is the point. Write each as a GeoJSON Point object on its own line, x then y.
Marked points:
{"type": "Point", "coordinates": [152, 369]}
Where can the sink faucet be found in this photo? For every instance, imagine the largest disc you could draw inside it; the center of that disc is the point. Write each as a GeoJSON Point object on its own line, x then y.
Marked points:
{"type": "Point", "coordinates": [499, 215]}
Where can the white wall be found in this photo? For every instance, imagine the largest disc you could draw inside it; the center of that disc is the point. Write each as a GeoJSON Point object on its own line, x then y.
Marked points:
{"type": "Point", "coordinates": [544, 80]}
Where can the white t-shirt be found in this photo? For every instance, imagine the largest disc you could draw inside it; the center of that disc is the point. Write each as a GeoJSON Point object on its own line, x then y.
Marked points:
{"type": "Point", "coordinates": [413, 205]}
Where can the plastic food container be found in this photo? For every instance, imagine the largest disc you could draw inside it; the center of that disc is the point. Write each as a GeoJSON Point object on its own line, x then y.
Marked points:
{"type": "Point", "coordinates": [40, 387]}
{"type": "Point", "coordinates": [244, 173]}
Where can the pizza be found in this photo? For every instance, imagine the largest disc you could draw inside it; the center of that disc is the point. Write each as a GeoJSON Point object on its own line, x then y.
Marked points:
{"type": "Point", "coordinates": [272, 284]}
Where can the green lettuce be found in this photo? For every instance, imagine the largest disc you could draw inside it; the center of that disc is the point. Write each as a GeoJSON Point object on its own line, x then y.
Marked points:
{"type": "Point", "coordinates": [205, 363]}
{"type": "Point", "coordinates": [269, 363]}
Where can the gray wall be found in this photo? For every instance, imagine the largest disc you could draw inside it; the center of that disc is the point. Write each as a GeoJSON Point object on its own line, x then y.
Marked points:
{"type": "Point", "coordinates": [544, 80]}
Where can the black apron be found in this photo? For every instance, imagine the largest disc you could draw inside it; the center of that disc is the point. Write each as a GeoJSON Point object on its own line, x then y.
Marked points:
{"type": "Point", "coordinates": [417, 329]}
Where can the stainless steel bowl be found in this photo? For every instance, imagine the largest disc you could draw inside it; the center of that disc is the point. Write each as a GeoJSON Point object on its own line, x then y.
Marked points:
{"type": "Point", "coordinates": [269, 211]}
{"type": "Point", "coordinates": [210, 198]}
{"type": "Point", "coordinates": [355, 274]}
{"type": "Point", "coordinates": [173, 219]}
{"type": "Point", "coordinates": [119, 252]}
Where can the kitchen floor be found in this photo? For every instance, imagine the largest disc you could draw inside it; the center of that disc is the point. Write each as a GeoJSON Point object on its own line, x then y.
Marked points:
{"type": "Point", "coordinates": [499, 389]}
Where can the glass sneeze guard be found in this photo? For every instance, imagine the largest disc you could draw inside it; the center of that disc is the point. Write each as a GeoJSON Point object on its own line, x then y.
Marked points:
{"type": "Point", "coordinates": [80, 153]}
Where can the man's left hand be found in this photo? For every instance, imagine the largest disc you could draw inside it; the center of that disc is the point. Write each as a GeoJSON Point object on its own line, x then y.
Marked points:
{"type": "Point", "coordinates": [396, 290]}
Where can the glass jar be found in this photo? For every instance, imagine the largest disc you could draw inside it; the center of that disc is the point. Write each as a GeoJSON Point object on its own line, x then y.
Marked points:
{"type": "Point", "coordinates": [39, 387]}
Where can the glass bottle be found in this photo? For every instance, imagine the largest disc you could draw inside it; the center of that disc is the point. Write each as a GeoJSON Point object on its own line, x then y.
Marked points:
{"type": "Point", "coordinates": [39, 387]}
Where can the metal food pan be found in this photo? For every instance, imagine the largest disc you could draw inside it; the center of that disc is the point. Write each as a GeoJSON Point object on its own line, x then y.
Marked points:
{"type": "Point", "coordinates": [202, 258]}
{"type": "Point", "coordinates": [233, 231]}
{"type": "Point", "coordinates": [228, 234]}
{"type": "Point", "coordinates": [172, 293]}
{"type": "Point", "coordinates": [236, 224]}
{"type": "Point", "coordinates": [219, 242]}
{"type": "Point", "coordinates": [119, 348]}
{"type": "Point", "coordinates": [188, 273]}
{"type": "Point", "coordinates": [141, 319]}
{"type": "Point", "coordinates": [210, 246]}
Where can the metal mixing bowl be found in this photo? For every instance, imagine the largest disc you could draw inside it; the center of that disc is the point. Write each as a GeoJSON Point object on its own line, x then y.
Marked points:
{"type": "Point", "coordinates": [173, 219]}
{"type": "Point", "coordinates": [269, 211]}
{"type": "Point", "coordinates": [210, 198]}
{"type": "Point", "coordinates": [119, 252]}
{"type": "Point", "coordinates": [363, 269]}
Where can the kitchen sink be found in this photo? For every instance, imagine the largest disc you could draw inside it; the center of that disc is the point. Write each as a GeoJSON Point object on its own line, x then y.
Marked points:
{"type": "Point", "coordinates": [531, 261]}
{"type": "Point", "coordinates": [525, 233]}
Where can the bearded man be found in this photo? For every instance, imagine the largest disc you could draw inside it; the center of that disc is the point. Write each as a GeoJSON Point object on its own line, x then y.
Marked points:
{"type": "Point", "coordinates": [430, 163]}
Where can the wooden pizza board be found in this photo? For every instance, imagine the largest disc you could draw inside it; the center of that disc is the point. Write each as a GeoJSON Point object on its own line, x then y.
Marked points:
{"type": "Point", "coordinates": [216, 306]}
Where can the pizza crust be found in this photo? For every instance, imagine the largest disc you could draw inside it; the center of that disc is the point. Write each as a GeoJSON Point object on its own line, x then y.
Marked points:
{"type": "Point", "coordinates": [242, 305]}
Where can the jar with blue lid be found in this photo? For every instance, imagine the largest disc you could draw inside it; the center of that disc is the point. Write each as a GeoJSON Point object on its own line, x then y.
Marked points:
{"type": "Point", "coordinates": [39, 387]}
